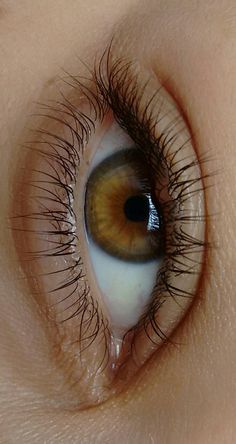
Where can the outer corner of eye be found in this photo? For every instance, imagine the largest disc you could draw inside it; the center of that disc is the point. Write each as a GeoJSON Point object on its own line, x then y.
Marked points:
{"type": "Point", "coordinates": [118, 239]}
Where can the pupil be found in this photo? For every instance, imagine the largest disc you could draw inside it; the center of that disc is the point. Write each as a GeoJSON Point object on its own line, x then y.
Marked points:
{"type": "Point", "coordinates": [136, 208]}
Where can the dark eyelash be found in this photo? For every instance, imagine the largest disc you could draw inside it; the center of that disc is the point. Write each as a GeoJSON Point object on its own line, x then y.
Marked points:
{"type": "Point", "coordinates": [113, 85]}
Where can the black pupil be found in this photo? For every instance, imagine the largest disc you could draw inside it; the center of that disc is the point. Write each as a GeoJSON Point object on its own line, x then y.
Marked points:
{"type": "Point", "coordinates": [136, 208]}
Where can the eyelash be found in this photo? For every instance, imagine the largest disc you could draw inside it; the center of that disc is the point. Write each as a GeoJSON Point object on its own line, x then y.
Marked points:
{"type": "Point", "coordinates": [112, 86]}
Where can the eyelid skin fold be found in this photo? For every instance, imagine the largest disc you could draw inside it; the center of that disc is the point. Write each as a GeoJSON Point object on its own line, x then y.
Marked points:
{"type": "Point", "coordinates": [51, 221]}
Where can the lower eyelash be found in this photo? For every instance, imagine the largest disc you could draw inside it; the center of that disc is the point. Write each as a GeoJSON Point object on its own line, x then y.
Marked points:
{"type": "Point", "coordinates": [118, 90]}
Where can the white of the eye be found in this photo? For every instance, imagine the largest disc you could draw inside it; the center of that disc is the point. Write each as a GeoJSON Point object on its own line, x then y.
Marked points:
{"type": "Point", "coordinates": [125, 287]}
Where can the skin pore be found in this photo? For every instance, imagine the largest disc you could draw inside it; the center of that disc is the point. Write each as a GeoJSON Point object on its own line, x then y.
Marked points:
{"type": "Point", "coordinates": [186, 393]}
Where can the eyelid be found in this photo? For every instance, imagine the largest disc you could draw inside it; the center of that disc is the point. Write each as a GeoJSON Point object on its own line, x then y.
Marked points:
{"type": "Point", "coordinates": [131, 102]}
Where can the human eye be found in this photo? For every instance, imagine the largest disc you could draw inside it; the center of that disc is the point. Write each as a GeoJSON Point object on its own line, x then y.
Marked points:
{"type": "Point", "coordinates": [111, 230]}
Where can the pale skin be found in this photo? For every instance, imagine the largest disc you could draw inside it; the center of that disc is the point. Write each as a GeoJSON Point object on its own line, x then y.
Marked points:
{"type": "Point", "coordinates": [186, 393]}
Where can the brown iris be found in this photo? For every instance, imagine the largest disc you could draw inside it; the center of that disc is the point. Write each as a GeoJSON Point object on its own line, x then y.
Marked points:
{"type": "Point", "coordinates": [119, 211]}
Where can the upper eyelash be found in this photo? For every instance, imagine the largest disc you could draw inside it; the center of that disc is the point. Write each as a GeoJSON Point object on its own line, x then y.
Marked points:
{"type": "Point", "coordinates": [112, 85]}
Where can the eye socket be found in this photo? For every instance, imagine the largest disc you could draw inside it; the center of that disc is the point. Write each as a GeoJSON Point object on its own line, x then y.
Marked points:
{"type": "Point", "coordinates": [111, 301]}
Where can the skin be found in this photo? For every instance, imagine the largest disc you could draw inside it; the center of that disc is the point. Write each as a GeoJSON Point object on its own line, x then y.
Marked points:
{"type": "Point", "coordinates": [186, 393]}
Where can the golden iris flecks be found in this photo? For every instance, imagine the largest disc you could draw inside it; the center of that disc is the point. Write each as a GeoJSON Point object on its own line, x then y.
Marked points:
{"type": "Point", "coordinates": [119, 212]}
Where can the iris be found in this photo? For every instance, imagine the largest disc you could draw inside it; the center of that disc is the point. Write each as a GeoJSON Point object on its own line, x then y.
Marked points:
{"type": "Point", "coordinates": [121, 216]}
